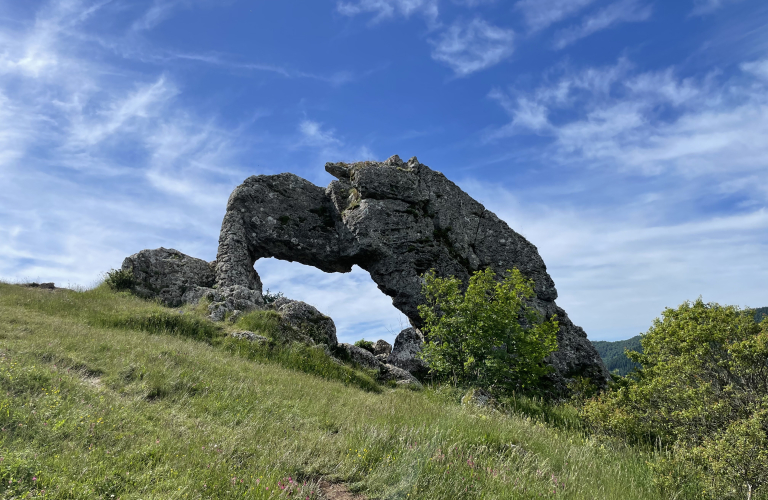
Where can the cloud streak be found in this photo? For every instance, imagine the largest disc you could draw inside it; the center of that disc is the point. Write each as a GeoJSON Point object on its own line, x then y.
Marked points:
{"type": "Point", "coordinates": [387, 9]}
{"type": "Point", "coordinates": [540, 14]}
{"type": "Point", "coordinates": [472, 46]}
{"type": "Point", "coordinates": [623, 11]}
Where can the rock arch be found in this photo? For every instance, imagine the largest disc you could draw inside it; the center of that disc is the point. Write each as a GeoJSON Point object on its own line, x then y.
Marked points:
{"type": "Point", "coordinates": [394, 219]}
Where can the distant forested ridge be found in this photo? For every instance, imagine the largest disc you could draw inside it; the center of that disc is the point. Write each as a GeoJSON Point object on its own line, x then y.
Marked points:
{"type": "Point", "coordinates": [613, 352]}
{"type": "Point", "coordinates": [760, 313]}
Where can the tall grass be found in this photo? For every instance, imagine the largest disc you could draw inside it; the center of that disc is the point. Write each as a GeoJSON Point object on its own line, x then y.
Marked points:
{"type": "Point", "coordinates": [90, 410]}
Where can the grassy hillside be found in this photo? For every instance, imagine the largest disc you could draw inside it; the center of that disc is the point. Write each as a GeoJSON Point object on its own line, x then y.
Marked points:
{"type": "Point", "coordinates": [103, 395]}
{"type": "Point", "coordinates": [613, 354]}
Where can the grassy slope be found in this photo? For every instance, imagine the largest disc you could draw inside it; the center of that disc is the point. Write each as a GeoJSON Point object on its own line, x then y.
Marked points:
{"type": "Point", "coordinates": [89, 410]}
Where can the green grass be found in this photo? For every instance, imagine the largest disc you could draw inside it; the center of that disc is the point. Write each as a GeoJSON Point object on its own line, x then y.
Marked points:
{"type": "Point", "coordinates": [95, 402]}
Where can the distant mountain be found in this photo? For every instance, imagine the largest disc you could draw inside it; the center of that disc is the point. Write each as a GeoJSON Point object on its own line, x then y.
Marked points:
{"type": "Point", "coordinates": [760, 313]}
{"type": "Point", "coordinates": [617, 362]}
{"type": "Point", "coordinates": [613, 354]}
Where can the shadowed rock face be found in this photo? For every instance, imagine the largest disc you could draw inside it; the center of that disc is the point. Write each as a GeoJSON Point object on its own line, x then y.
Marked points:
{"type": "Point", "coordinates": [396, 220]}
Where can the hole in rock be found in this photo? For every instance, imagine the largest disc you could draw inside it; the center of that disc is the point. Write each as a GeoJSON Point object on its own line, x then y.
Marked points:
{"type": "Point", "coordinates": [358, 308]}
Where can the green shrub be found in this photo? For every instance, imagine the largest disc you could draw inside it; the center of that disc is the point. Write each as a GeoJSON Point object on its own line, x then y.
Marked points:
{"type": "Point", "coordinates": [476, 337]}
{"type": "Point", "coordinates": [365, 344]}
{"type": "Point", "coordinates": [702, 392]}
{"type": "Point", "coordinates": [120, 279]}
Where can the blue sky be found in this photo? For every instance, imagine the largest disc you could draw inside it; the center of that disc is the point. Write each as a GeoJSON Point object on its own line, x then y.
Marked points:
{"type": "Point", "coordinates": [627, 139]}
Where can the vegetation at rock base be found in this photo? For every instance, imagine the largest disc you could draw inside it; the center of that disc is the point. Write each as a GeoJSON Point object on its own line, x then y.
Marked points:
{"type": "Point", "coordinates": [119, 279]}
{"type": "Point", "coordinates": [91, 409]}
{"type": "Point", "coordinates": [702, 396]}
{"type": "Point", "coordinates": [365, 344]}
{"type": "Point", "coordinates": [486, 335]}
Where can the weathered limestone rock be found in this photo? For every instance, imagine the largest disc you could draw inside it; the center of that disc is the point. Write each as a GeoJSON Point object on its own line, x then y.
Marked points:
{"type": "Point", "coordinates": [361, 356]}
{"type": "Point", "coordinates": [390, 372]}
{"type": "Point", "coordinates": [306, 320]}
{"type": "Point", "coordinates": [396, 220]}
{"type": "Point", "coordinates": [381, 347]}
{"type": "Point", "coordinates": [250, 336]}
{"type": "Point", "coordinates": [406, 350]}
{"type": "Point", "coordinates": [169, 275]}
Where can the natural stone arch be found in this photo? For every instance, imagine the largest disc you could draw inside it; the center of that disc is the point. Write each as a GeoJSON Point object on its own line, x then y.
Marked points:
{"type": "Point", "coordinates": [394, 219]}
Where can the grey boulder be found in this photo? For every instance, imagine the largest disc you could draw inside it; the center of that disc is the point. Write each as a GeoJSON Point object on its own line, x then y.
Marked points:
{"type": "Point", "coordinates": [361, 356]}
{"type": "Point", "coordinates": [405, 353]}
{"type": "Point", "coordinates": [170, 276]}
{"type": "Point", "coordinates": [389, 372]}
{"type": "Point", "coordinates": [300, 319]}
{"type": "Point", "coordinates": [381, 347]}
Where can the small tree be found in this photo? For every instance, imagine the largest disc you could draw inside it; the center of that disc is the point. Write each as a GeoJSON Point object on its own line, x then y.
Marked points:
{"type": "Point", "coordinates": [703, 389]}
{"type": "Point", "coordinates": [486, 336]}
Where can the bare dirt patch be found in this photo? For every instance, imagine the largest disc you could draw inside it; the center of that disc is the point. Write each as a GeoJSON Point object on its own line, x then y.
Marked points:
{"type": "Point", "coordinates": [337, 491]}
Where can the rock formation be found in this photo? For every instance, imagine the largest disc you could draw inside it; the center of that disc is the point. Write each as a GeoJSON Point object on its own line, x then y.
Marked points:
{"type": "Point", "coordinates": [170, 276]}
{"type": "Point", "coordinates": [406, 350]}
{"type": "Point", "coordinates": [394, 219]}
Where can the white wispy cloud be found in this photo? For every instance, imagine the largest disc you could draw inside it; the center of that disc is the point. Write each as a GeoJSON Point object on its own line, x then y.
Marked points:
{"type": "Point", "coordinates": [540, 14]}
{"type": "Point", "coordinates": [757, 68]}
{"type": "Point", "coordinates": [386, 9]}
{"type": "Point", "coordinates": [335, 78]}
{"type": "Point", "coordinates": [161, 10]}
{"type": "Point", "coordinates": [313, 134]}
{"type": "Point", "coordinates": [472, 46]}
{"type": "Point", "coordinates": [712, 126]}
{"type": "Point", "coordinates": [689, 144]}
{"type": "Point", "coordinates": [106, 155]}
{"type": "Point", "coordinates": [704, 7]}
{"type": "Point", "coordinates": [623, 11]}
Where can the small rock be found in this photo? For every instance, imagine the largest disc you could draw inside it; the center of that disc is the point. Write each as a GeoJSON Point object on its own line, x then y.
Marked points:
{"type": "Point", "coordinates": [391, 372]}
{"type": "Point", "coordinates": [479, 398]}
{"type": "Point", "coordinates": [361, 356]}
{"type": "Point", "coordinates": [167, 274]}
{"type": "Point", "coordinates": [382, 347]}
{"type": "Point", "coordinates": [250, 336]}
{"type": "Point", "coordinates": [306, 320]}
{"type": "Point", "coordinates": [236, 314]}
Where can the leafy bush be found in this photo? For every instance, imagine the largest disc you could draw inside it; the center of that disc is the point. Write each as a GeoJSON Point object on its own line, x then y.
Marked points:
{"type": "Point", "coordinates": [120, 279]}
{"type": "Point", "coordinates": [703, 392]}
{"type": "Point", "coordinates": [486, 336]}
{"type": "Point", "coordinates": [365, 344]}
